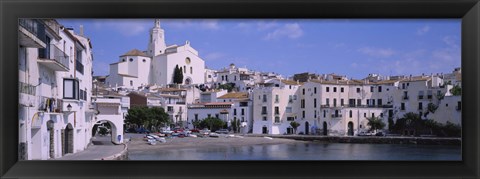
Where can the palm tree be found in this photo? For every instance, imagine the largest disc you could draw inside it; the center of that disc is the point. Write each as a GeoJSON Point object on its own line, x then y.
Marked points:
{"type": "Point", "coordinates": [375, 123]}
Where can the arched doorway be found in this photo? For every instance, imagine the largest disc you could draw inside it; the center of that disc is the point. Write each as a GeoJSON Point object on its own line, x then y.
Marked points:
{"type": "Point", "coordinates": [325, 130]}
{"type": "Point", "coordinates": [188, 81]}
{"type": "Point", "coordinates": [51, 138]}
{"type": "Point", "coordinates": [105, 131]}
{"type": "Point", "coordinates": [307, 127]}
{"type": "Point", "coordinates": [350, 128]}
{"type": "Point", "coordinates": [67, 139]}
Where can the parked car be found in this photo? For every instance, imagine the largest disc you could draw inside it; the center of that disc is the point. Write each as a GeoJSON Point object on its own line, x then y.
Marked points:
{"type": "Point", "coordinates": [178, 130]}
{"type": "Point", "coordinates": [143, 130]}
{"type": "Point", "coordinates": [222, 131]}
{"type": "Point", "coordinates": [366, 134]}
{"type": "Point", "coordinates": [195, 130]}
{"type": "Point", "coordinates": [379, 134]}
{"type": "Point", "coordinates": [166, 132]}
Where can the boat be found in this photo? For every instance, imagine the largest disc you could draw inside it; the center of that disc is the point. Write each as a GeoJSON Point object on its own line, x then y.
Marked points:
{"type": "Point", "coordinates": [213, 134]}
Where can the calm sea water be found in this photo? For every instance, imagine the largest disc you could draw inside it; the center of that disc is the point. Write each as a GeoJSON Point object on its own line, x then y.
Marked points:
{"type": "Point", "coordinates": [307, 151]}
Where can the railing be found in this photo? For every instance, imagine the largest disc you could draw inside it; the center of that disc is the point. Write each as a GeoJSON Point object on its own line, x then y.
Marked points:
{"type": "Point", "coordinates": [35, 27]}
{"type": "Point", "coordinates": [180, 102]}
{"type": "Point", "coordinates": [325, 105]}
{"type": "Point", "coordinates": [336, 116]}
{"type": "Point", "coordinates": [79, 66]}
{"type": "Point", "coordinates": [26, 88]}
{"type": "Point", "coordinates": [55, 54]}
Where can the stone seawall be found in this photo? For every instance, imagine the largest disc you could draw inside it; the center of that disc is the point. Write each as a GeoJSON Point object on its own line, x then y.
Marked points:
{"type": "Point", "coordinates": [372, 139]}
{"type": "Point", "coordinates": [123, 155]}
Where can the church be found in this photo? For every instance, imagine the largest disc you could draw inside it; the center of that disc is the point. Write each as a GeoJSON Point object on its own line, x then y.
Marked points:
{"type": "Point", "coordinates": [156, 65]}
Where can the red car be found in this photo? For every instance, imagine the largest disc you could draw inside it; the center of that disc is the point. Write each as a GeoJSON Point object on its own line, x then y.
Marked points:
{"type": "Point", "coordinates": [178, 130]}
{"type": "Point", "coordinates": [195, 130]}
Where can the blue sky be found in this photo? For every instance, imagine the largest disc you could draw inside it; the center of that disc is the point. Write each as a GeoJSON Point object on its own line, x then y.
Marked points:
{"type": "Point", "coordinates": [287, 46]}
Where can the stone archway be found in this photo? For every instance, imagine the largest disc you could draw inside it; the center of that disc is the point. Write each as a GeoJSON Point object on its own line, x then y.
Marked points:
{"type": "Point", "coordinates": [67, 139]}
{"type": "Point", "coordinates": [115, 130]}
{"type": "Point", "coordinates": [188, 81]}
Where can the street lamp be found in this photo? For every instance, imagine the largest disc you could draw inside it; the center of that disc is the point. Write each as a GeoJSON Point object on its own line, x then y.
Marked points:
{"type": "Point", "coordinates": [69, 107]}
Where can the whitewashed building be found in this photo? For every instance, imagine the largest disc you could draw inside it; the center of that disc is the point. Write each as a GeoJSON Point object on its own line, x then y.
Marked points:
{"type": "Point", "coordinates": [55, 82]}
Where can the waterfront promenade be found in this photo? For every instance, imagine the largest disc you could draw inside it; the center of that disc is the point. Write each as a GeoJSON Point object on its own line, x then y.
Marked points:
{"type": "Point", "coordinates": [102, 148]}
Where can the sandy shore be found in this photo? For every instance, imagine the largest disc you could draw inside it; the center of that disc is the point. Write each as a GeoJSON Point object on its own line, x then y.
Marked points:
{"type": "Point", "coordinates": [139, 144]}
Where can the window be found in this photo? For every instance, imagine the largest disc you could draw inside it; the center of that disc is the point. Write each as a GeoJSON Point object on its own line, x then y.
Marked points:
{"type": "Point", "coordinates": [303, 91]}
{"type": "Point", "coordinates": [184, 69]}
{"type": "Point", "coordinates": [303, 114]}
{"type": "Point", "coordinates": [327, 101]}
{"type": "Point", "coordinates": [290, 99]}
{"type": "Point", "coordinates": [144, 60]}
{"type": "Point", "coordinates": [315, 90]}
{"type": "Point", "coordinates": [327, 89]}
{"type": "Point", "coordinates": [342, 102]}
{"type": "Point", "coordinates": [264, 118]}
{"type": "Point", "coordinates": [420, 106]}
{"type": "Point", "coordinates": [131, 83]}
{"type": "Point", "coordinates": [290, 118]}
{"type": "Point", "coordinates": [402, 106]}
{"type": "Point", "coordinates": [334, 89]}
{"type": "Point", "coordinates": [381, 114]}
{"type": "Point", "coordinates": [217, 116]}
{"type": "Point", "coordinates": [380, 89]}
{"type": "Point", "coordinates": [350, 113]}
{"type": "Point", "coordinates": [334, 102]}
{"type": "Point", "coordinates": [371, 89]}
{"type": "Point", "coordinates": [264, 110]}
{"type": "Point", "coordinates": [131, 59]}
{"type": "Point", "coordinates": [209, 115]}
{"type": "Point", "coordinates": [341, 90]}
{"type": "Point", "coordinates": [288, 109]}
{"type": "Point", "coordinates": [364, 114]}
{"type": "Point", "coordinates": [359, 102]}
{"type": "Point", "coordinates": [70, 89]}
{"type": "Point", "coordinates": [234, 111]}
{"type": "Point", "coordinates": [187, 60]}
{"type": "Point", "coordinates": [234, 78]}
{"type": "Point", "coordinates": [373, 115]}
{"type": "Point", "coordinates": [191, 70]}
{"type": "Point", "coordinates": [379, 101]}
{"type": "Point", "coordinates": [314, 102]}
{"type": "Point", "coordinates": [358, 90]}
{"type": "Point", "coordinates": [277, 119]}
{"type": "Point", "coordinates": [276, 98]}
{"type": "Point", "coordinates": [170, 109]}
{"type": "Point", "coordinates": [123, 60]}
{"type": "Point", "coordinates": [315, 114]}
{"type": "Point", "coordinates": [196, 117]}
{"type": "Point", "coordinates": [277, 111]}
{"type": "Point", "coordinates": [324, 114]}
{"type": "Point", "coordinates": [264, 98]}
{"type": "Point", "coordinates": [243, 111]}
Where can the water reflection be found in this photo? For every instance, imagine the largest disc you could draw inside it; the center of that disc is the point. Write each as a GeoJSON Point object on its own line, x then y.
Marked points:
{"type": "Point", "coordinates": [306, 151]}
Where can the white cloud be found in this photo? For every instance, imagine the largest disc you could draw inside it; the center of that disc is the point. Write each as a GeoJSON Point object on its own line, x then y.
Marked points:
{"type": "Point", "coordinates": [451, 41]}
{"type": "Point", "coordinates": [291, 31]}
{"type": "Point", "coordinates": [376, 52]}
{"type": "Point", "coordinates": [423, 30]}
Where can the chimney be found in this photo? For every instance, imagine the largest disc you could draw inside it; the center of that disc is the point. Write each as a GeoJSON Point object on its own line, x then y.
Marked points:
{"type": "Point", "coordinates": [81, 30]}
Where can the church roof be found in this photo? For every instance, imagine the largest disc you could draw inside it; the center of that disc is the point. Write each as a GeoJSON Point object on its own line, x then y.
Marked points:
{"type": "Point", "coordinates": [134, 52]}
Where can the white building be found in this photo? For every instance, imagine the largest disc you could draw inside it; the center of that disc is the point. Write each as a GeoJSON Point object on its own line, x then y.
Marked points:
{"type": "Point", "coordinates": [138, 68]}
{"type": "Point", "coordinates": [55, 83]}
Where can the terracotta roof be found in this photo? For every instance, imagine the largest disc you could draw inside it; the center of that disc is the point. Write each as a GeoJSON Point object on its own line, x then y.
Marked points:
{"type": "Point", "coordinates": [291, 82]}
{"type": "Point", "coordinates": [458, 76]}
{"type": "Point", "coordinates": [385, 82]}
{"type": "Point", "coordinates": [134, 52]}
{"type": "Point", "coordinates": [417, 78]}
{"type": "Point", "coordinates": [339, 82]}
{"type": "Point", "coordinates": [171, 89]}
{"type": "Point", "coordinates": [238, 95]}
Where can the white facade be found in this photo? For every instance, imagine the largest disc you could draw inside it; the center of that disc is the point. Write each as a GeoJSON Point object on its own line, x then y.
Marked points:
{"type": "Point", "coordinates": [55, 83]}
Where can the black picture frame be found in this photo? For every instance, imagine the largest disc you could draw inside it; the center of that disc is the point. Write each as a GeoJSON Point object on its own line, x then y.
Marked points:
{"type": "Point", "coordinates": [467, 10]}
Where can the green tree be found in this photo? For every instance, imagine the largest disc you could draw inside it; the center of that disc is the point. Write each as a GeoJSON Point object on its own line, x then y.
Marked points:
{"type": "Point", "coordinates": [294, 126]}
{"type": "Point", "coordinates": [148, 117]}
{"type": "Point", "coordinates": [456, 90]}
{"type": "Point", "coordinates": [391, 124]}
{"type": "Point", "coordinates": [432, 107]}
{"type": "Point", "coordinates": [375, 123]}
{"type": "Point", "coordinates": [212, 123]}
{"type": "Point", "coordinates": [177, 75]}
{"type": "Point", "coordinates": [235, 125]}
{"type": "Point", "coordinates": [227, 86]}
{"type": "Point", "coordinates": [196, 123]}
{"type": "Point", "coordinates": [180, 75]}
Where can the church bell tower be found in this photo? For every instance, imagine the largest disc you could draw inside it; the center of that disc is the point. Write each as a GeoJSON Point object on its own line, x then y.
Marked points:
{"type": "Point", "coordinates": [156, 45]}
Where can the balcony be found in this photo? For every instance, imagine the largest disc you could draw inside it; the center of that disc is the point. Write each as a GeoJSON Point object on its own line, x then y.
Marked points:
{"type": "Point", "coordinates": [50, 105]}
{"type": "Point", "coordinates": [32, 33]}
{"type": "Point", "coordinates": [26, 88]}
{"type": "Point", "coordinates": [420, 97]}
{"type": "Point", "coordinates": [325, 105]}
{"type": "Point", "coordinates": [79, 66]}
{"type": "Point", "coordinates": [54, 58]}
{"type": "Point", "coordinates": [180, 102]}
{"type": "Point", "coordinates": [336, 115]}
{"type": "Point", "coordinates": [405, 97]}
{"type": "Point", "coordinates": [429, 96]}
{"type": "Point", "coordinates": [264, 112]}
